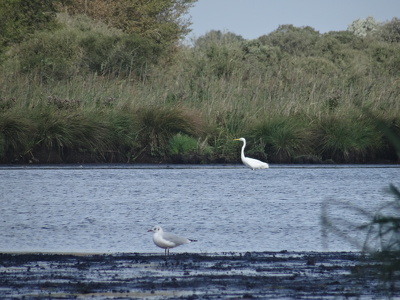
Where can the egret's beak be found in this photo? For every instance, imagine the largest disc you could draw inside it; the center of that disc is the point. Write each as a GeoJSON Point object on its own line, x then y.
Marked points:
{"type": "Point", "coordinates": [236, 139]}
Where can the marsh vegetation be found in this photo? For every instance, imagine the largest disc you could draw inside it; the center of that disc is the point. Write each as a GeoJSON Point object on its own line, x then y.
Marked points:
{"type": "Point", "coordinates": [82, 90]}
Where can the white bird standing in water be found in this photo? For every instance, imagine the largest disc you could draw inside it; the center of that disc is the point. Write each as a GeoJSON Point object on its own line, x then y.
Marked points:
{"type": "Point", "coordinates": [167, 240]}
{"type": "Point", "coordinates": [251, 162]}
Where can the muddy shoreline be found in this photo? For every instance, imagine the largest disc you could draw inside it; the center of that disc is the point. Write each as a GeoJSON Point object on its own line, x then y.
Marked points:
{"type": "Point", "coordinates": [266, 275]}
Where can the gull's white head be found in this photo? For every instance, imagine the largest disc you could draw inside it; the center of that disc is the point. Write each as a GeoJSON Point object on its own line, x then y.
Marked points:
{"type": "Point", "coordinates": [155, 229]}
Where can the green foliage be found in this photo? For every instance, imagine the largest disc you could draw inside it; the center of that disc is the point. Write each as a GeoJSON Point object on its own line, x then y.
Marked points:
{"type": "Point", "coordinates": [52, 130]}
{"type": "Point", "coordinates": [293, 92]}
{"type": "Point", "coordinates": [159, 124]}
{"type": "Point", "coordinates": [19, 18]}
{"type": "Point", "coordinates": [182, 144]}
{"type": "Point", "coordinates": [386, 58]}
{"type": "Point", "coordinates": [255, 51]}
{"type": "Point", "coordinates": [123, 131]}
{"type": "Point", "coordinates": [217, 38]}
{"type": "Point", "coordinates": [50, 54]}
{"type": "Point", "coordinates": [220, 54]}
{"type": "Point", "coordinates": [161, 21]}
{"type": "Point", "coordinates": [390, 31]}
{"type": "Point", "coordinates": [81, 46]}
{"type": "Point", "coordinates": [15, 135]}
{"type": "Point", "coordinates": [130, 54]}
{"type": "Point", "coordinates": [59, 132]}
{"type": "Point", "coordinates": [90, 131]}
{"type": "Point", "coordinates": [230, 122]}
{"type": "Point", "coordinates": [284, 138]}
{"type": "Point", "coordinates": [347, 139]}
{"type": "Point", "coordinates": [291, 39]}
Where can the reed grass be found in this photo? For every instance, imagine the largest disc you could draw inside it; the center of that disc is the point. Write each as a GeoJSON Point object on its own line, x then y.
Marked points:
{"type": "Point", "coordinates": [159, 124]}
{"type": "Point", "coordinates": [284, 139]}
{"type": "Point", "coordinates": [350, 139]}
{"type": "Point", "coordinates": [16, 132]}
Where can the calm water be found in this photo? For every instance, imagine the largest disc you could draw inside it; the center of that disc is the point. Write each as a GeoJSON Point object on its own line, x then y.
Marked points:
{"type": "Point", "coordinates": [110, 208]}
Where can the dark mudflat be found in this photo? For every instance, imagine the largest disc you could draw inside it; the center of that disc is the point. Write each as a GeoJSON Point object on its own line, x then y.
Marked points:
{"type": "Point", "coordinates": [266, 275]}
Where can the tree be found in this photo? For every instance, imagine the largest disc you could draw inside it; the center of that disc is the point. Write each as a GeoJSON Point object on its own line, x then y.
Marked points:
{"type": "Point", "coordinates": [390, 31]}
{"type": "Point", "coordinates": [159, 20]}
{"type": "Point", "coordinates": [294, 40]}
{"type": "Point", "coordinates": [218, 38]}
{"type": "Point", "coordinates": [362, 27]}
{"type": "Point", "coordinates": [18, 18]}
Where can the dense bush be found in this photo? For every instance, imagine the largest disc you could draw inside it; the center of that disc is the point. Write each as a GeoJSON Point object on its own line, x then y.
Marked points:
{"type": "Point", "coordinates": [19, 18]}
{"type": "Point", "coordinates": [161, 22]}
{"type": "Point", "coordinates": [83, 46]}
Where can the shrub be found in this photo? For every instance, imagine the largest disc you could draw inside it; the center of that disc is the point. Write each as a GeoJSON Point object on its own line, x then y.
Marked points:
{"type": "Point", "coordinates": [90, 131]}
{"type": "Point", "coordinates": [386, 58]}
{"type": "Point", "coordinates": [390, 31]}
{"type": "Point", "coordinates": [297, 41]}
{"type": "Point", "coordinates": [59, 132]}
{"type": "Point", "coordinates": [15, 135]}
{"type": "Point", "coordinates": [130, 54]}
{"type": "Point", "coordinates": [19, 19]}
{"type": "Point", "coordinates": [51, 54]}
{"type": "Point", "coordinates": [182, 144]}
{"type": "Point", "coordinates": [158, 124]}
{"type": "Point", "coordinates": [284, 137]}
{"type": "Point", "coordinates": [52, 132]}
{"type": "Point", "coordinates": [80, 46]}
{"type": "Point", "coordinates": [162, 21]}
{"type": "Point", "coordinates": [221, 53]}
{"type": "Point", "coordinates": [347, 139]}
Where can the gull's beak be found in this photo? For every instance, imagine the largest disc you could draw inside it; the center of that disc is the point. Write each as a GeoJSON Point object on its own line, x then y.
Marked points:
{"type": "Point", "coordinates": [150, 230]}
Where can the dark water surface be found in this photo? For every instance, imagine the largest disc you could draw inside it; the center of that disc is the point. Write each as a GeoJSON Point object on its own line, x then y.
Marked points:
{"type": "Point", "coordinates": [109, 208]}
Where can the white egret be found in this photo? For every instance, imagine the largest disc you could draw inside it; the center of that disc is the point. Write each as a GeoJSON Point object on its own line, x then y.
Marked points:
{"type": "Point", "coordinates": [167, 240]}
{"type": "Point", "coordinates": [251, 162]}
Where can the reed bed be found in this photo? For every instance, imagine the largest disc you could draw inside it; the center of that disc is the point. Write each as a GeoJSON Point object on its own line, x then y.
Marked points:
{"type": "Point", "coordinates": [298, 107]}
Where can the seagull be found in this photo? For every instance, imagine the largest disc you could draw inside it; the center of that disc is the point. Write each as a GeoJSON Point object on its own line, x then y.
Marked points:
{"type": "Point", "coordinates": [167, 240]}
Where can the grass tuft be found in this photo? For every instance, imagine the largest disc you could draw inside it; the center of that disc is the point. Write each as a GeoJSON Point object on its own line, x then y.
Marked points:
{"type": "Point", "coordinates": [352, 140]}
{"type": "Point", "coordinates": [284, 138]}
{"type": "Point", "coordinates": [157, 125]}
{"type": "Point", "coordinates": [15, 135]}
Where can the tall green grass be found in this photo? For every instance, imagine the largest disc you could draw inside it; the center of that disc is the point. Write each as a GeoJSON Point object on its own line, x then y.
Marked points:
{"type": "Point", "coordinates": [348, 139]}
{"type": "Point", "coordinates": [284, 138]}
{"type": "Point", "coordinates": [15, 135]}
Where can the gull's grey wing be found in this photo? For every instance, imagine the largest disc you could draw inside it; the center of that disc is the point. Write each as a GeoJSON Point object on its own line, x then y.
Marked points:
{"type": "Point", "coordinates": [177, 240]}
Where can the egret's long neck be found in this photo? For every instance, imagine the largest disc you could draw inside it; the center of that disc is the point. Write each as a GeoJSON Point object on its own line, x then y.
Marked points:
{"type": "Point", "coordinates": [242, 155]}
